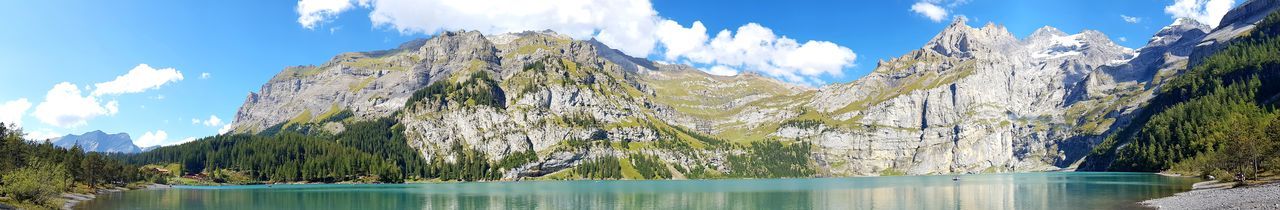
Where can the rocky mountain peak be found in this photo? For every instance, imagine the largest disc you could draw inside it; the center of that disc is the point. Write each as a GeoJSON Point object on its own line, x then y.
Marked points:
{"type": "Point", "coordinates": [1050, 43]}
{"type": "Point", "coordinates": [506, 38]}
{"type": "Point", "coordinates": [99, 133]}
{"type": "Point", "coordinates": [1183, 24]}
{"type": "Point", "coordinates": [970, 100]}
{"type": "Point", "coordinates": [98, 141]}
{"type": "Point", "coordinates": [1180, 27]}
{"type": "Point", "coordinates": [960, 40]}
{"type": "Point", "coordinates": [959, 22]}
{"type": "Point", "coordinates": [1045, 32]}
{"type": "Point", "coordinates": [1184, 21]}
{"type": "Point", "coordinates": [1249, 12]}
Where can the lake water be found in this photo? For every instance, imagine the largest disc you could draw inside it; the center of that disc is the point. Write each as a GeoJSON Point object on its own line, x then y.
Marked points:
{"type": "Point", "coordinates": [1063, 190]}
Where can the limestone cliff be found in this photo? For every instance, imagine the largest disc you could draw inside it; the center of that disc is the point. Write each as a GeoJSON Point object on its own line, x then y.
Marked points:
{"type": "Point", "coordinates": [970, 100]}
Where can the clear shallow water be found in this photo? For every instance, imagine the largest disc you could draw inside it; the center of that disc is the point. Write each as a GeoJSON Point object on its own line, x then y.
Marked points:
{"type": "Point", "coordinates": [1065, 190]}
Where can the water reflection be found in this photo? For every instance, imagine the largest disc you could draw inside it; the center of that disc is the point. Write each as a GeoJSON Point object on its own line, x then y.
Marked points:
{"type": "Point", "coordinates": [1001, 191]}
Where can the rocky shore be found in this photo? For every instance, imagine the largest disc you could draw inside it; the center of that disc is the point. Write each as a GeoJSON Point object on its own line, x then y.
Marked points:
{"type": "Point", "coordinates": [1211, 195]}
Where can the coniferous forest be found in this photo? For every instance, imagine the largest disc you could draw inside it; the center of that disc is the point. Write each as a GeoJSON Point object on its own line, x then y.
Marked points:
{"type": "Point", "coordinates": [1219, 118]}
{"type": "Point", "coordinates": [35, 174]}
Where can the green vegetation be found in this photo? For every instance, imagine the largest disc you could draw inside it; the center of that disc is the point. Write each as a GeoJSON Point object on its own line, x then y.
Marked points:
{"type": "Point", "coordinates": [1219, 117]}
{"type": "Point", "coordinates": [367, 151]}
{"type": "Point", "coordinates": [303, 118]}
{"type": "Point", "coordinates": [517, 159]}
{"type": "Point", "coordinates": [607, 167]}
{"type": "Point", "coordinates": [531, 44]}
{"type": "Point", "coordinates": [579, 120]}
{"type": "Point", "coordinates": [650, 167]}
{"type": "Point", "coordinates": [301, 71]}
{"type": "Point", "coordinates": [772, 159]}
{"type": "Point", "coordinates": [356, 87]}
{"type": "Point", "coordinates": [628, 171]}
{"type": "Point", "coordinates": [802, 123]}
{"type": "Point", "coordinates": [469, 165]}
{"type": "Point", "coordinates": [385, 139]}
{"type": "Point", "coordinates": [286, 157]}
{"type": "Point", "coordinates": [33, 175]}
{"type": "Point", "coordinates": [892, 172]}
{"type": "Point", "coordinates": [38, 183]}
{"type": "Point", "coordinates": [335, 114]}
{"type": "Point", "coordinates": [700, 172]}
{"type": "Point", "coordinates": [305, 124]}
{"type": "Point", "coordinates": [477, 89]}
{"type": "Point", "coordinates": [703, 96]}
{"type": "Point", "coordinates": [914, 82]}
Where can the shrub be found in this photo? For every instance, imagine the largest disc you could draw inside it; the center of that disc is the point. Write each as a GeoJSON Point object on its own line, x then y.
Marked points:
{"type": "Point", "coordinates": [38, 183]}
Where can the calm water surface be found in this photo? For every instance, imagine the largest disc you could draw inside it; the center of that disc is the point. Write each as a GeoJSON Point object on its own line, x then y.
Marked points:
{"type": "Point", "coordinates": [1066, 190]}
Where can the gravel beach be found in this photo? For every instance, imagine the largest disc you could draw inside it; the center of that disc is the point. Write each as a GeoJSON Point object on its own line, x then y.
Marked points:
{"type": "Point", "coordinates": [1265, 196]}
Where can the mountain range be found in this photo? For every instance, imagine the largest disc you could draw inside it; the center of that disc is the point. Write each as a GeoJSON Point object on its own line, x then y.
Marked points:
{"type": "Point", "coordinates": [98, 141]}
{"type": "Point", "coordinates": [970, 100]}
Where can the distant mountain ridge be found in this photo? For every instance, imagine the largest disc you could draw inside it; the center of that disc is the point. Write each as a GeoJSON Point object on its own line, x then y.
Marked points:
{"type": "Point", "coordinates": [98, 141]}
{"type": "Point", "coordinates": [970, 100]}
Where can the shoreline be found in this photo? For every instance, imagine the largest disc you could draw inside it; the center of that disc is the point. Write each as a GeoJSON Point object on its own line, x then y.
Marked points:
{"type": "Point", "coordinates": [70, 200]}
{"type": "Point", "coordinates": [1172, 174]}
{"type": "Point", "coordinates": [1218, 195]}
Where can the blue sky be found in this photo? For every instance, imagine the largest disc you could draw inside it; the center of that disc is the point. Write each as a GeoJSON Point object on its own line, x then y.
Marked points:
{"type": "Point", "coordinates": [242, 44]}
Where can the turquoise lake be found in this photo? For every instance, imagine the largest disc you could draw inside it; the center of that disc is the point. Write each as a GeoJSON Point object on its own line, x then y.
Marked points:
{"type": "Point", "coordinates": [1057, 190]}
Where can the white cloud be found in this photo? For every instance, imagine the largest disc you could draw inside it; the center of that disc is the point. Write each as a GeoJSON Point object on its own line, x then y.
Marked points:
{"type": "Point", "coordinates": [184, 140]}
{"type": "Point", "coordinates": [313, 12]}
{"type": "Point", "coordinates": [41, 135]}
{"type": "Point", "coordinates": [631, 26]}
{"type": "Point", "coordinates": [205, 75]}
{"type": "Point", "coordinates": [1209, 12]}
{"type": "Point", "coordinates": [213, 121]}
{"type": "Point", "coordinates": [622, 24]}
{"type": "Point", "coordinates": [225, 129]}
{"type": "Point", "coordinates": [929, 10]}
{"type": "Point", "coordinates": [141, 78]}
{"type": "Point", "coordinates": [11, 111]}
{"type": "Point", "coordinates": [681, 41]}
{"type": "Point", "coordinates": [151, 138]}
{"type": "Point", "coordinates": [722, 71]}
{"type": "Point", "coordinates": [1123, 39]}
{"type": "Point", "coordinates": [1129, 19]}
{"type": "Point", "coordinates": [64, 106]}
{"type": "Point", "coordinates": [756, 48]}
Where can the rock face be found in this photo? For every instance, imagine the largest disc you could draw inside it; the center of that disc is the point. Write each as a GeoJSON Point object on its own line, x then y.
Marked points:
{"type": "Point", "coordinates": [971, 100]}
{"type": "Point", "coordinates": [98, 141]}
{"type": "Point", "coordinates": [1170, 52]}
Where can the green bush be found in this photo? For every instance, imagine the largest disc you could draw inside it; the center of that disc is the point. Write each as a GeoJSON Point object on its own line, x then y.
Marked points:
{"type": "Point", "coordinates": [1222, 175]}
{"type": "Point", "coordinates": [39, 183]}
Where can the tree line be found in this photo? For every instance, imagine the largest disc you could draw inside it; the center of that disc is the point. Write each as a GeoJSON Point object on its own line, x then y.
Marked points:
{"type": "Point", "coordinates": [1219, 118]}
{"type": "Point", "coordinates": [34, 174]}
{"type": "Point", "coordinates": [374, 150]}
